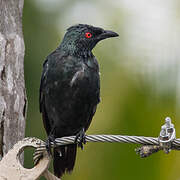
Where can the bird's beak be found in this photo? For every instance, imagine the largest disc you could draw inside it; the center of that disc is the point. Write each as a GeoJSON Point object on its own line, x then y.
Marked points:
{"type": "Point", "coordinates": [107, 34]}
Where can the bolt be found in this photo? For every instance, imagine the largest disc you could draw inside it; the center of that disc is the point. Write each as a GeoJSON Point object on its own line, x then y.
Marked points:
{"type": "Point", "coordinates": [168, 122]}
{"type": "Point", "coordinates": [163, 131]}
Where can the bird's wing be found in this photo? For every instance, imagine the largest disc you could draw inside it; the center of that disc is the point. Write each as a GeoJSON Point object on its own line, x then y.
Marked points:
{"type": "Point", "coordinates": [42, 98]}
{"type": "Point", "coordinates": [52, 61]}
{"type": "Point", "coordinates": [45, 68]}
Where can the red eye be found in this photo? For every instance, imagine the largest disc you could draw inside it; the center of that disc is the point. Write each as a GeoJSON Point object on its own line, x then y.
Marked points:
{"type": "Point", "coordinates": [88, 35]}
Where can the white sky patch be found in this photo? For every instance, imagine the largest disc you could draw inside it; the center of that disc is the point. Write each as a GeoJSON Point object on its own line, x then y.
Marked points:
{"type": "Point", "coordinates": [48, 5]}
{"type": "Point", "coordinates": [84, 13]}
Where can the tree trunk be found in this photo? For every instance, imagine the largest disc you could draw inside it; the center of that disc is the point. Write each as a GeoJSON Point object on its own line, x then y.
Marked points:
{"type": "Point", "coordinates": [12, 89]}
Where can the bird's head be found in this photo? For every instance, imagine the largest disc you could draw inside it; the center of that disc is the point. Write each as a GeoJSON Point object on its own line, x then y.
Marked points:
{"type": "Point", "coordinates": [82, 38]}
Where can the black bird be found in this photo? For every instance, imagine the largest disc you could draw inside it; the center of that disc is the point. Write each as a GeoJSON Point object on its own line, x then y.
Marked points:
{"type": "Point", "coordinates": [70, 90]}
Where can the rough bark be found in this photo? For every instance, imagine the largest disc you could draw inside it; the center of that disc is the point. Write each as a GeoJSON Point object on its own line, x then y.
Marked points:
{"type": "Point", "coordinates": [12, 89]}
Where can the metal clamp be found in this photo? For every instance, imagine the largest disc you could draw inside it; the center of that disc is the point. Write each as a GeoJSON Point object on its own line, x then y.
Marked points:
{"type": "Point", "coordinates": [167, 135]}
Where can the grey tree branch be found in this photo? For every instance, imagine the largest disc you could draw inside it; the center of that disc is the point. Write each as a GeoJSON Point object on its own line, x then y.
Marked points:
{"type": "Point", "coordinates": [12, 89]}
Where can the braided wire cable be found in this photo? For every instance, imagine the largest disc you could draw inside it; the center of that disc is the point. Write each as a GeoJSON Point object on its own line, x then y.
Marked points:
{"type": "Point", "coordinates": [166, 141]}
{"type": "Point", "coordinates": [110, 138]}
{"type": "Point", "coordinates": [105, 138]}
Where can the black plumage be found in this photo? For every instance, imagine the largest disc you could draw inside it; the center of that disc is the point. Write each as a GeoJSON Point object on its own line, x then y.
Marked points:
{"type": "Point", "coordinates": [70, 90]}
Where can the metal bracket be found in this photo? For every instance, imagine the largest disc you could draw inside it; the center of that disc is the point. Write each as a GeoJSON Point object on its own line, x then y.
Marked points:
{"type": "Point", "coordinates": [167, 135]}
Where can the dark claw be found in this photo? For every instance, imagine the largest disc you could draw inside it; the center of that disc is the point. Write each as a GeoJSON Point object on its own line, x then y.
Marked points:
{"type": "Point", "coordinates": [48, 144]}
{"type": "Point", "coordinates": [80, 138]}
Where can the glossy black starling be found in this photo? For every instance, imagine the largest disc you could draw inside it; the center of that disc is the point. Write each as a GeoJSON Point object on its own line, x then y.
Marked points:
{"type": "Point", "coordinates": [70, 90]}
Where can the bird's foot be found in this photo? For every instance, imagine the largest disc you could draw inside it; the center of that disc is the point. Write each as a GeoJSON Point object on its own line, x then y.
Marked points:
{"type": "Point", "coordinates": [80, 138]}
{"type": "Point", "coordinates": [48, 144]}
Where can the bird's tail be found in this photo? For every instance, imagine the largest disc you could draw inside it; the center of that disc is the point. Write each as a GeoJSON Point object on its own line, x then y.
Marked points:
{"type": "Point", "coordinates": [64, 159]}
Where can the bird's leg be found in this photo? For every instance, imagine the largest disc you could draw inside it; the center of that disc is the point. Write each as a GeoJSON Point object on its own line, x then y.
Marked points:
{"type": "Point", "coordinates": [50, 139]}
{"type": "Point", "coordinates": [81, 137]}
{"type": "Point", "coordinates": [48, 144]}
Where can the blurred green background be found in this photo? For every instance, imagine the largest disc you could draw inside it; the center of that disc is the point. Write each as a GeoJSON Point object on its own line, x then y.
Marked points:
{"type": "Point", "coordinates": [140, 80]}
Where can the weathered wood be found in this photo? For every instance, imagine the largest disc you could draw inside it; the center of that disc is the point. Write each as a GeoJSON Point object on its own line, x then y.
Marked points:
{"type": "Point", "coordinates": [13, 101]}
{"type": "Point", "coordinates": [10, 163]}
